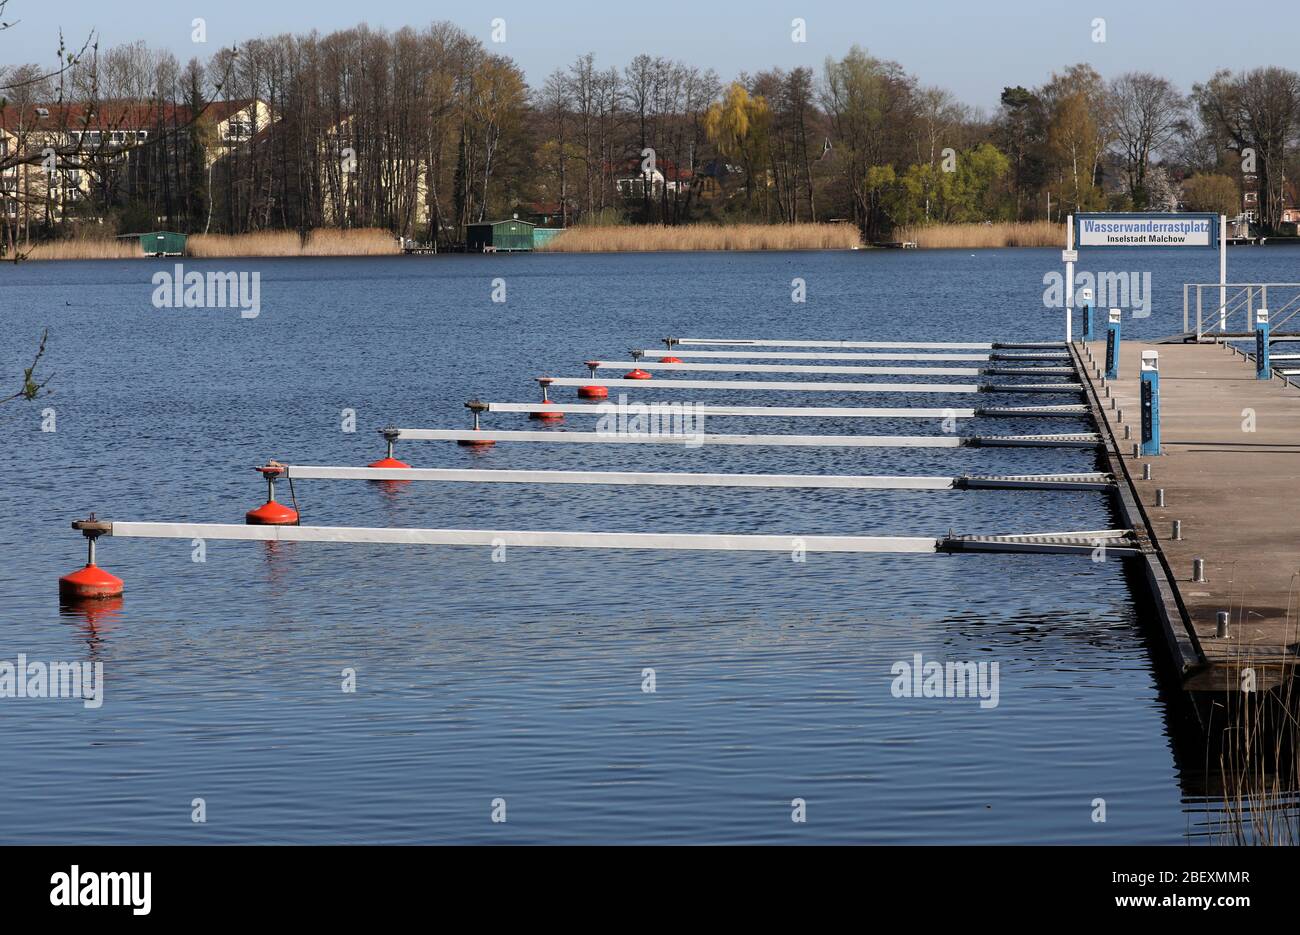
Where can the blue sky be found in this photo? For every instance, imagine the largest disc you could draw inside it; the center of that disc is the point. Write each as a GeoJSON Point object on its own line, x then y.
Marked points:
{"type": "Point", "coordinates": [971, 48]}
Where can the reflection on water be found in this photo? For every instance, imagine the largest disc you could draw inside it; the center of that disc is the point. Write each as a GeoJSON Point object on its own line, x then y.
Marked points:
{"type": "Point", "coordinates": [1247, 777]}
{"type": "Point", "coordinates": [95, 619]}
{"type": "Point", "coordinates": [523, 678]}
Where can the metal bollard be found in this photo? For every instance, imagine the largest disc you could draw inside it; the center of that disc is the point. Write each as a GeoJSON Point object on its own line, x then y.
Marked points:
{"type": "Point", "coordinates": [1221, 625]}
{"type": "Point", "coordinates": [1198, 570]}
{"type": "Point", "coordinates": [1146, 472]}
{"type": "Point", "coordinates": [1160, 497]}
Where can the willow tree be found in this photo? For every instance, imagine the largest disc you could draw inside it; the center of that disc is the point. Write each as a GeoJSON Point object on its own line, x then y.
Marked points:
{"type": "Point", "coordinates": [738, 127]}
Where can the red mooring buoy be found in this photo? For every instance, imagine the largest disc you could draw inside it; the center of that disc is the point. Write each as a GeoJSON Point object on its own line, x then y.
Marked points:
{"type": "Point", "coordinates": [388, 463]}
{"type": "Point", "coordinates": [475, 442]}
{"type": "Point", "coordinates": [593, 392]}
{"type": "Point", "coordinates": [391, 435]}
{"type": "Point", "coordinates": [89, 583]}
{"type": "Point", "coordinates": [543, 416]}
{"type": "Point", "coordinates": [670, 360]}
{"type": "Point", "coordinates": [547, 416]}
{"type": "Point", "coordinates": [637, 374]}
{"type": "Point", "coordinates": [271, 513]}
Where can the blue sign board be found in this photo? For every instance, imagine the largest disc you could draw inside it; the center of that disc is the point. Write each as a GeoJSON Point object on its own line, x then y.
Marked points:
{"type": "Point", "coordinates": [1146, 229]}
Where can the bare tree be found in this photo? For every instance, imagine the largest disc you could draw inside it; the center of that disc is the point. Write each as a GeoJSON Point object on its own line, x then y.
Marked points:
{"type": "Point", "coordinates": [1258, 114]}
{"type": "Point", "coordinates": [1147, 115]}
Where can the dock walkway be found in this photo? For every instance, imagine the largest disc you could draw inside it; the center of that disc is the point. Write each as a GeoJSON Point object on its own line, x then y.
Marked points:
{"type": "Point", "coordinates": [1230, 471]}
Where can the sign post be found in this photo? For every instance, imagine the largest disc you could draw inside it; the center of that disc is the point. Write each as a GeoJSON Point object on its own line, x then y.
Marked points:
{"type": "Point", "coordinates": [1069, 255]}
{"type": "Point", "coordinates": [1263, 371]}
{"type": "Point", "coordinates": [1150, 402]}
{"type": "Point", "coordinates": [1223, 273]}
{"type": "Point", "coordinates": [1112, 345]}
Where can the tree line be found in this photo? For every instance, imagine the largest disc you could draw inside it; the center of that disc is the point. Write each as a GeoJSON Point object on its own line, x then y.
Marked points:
{"type": "Point", "coordinates": [424, 130]}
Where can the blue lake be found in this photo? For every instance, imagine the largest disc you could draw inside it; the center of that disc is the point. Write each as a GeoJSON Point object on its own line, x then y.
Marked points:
{"type": "Point", "coordinates": [522, 679]}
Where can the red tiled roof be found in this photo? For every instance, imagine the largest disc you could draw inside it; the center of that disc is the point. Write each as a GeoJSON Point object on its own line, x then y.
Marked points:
{"type": "Point", "coordinates": [631, 168]}
{"type": "Point", "coordinates": [111, 115]}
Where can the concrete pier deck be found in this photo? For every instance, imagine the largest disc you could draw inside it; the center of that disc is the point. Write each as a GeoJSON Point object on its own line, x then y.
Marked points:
{"type": "Point", "coordinates": [1230, 470]}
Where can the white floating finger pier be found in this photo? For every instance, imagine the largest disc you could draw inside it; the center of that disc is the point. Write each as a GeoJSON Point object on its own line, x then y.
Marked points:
{"type": "Point", "coordinates": [813, 386]}
{"type": "Point", "coordinates": [812, 355]}
{"type": "Point", "coordinates": [832, 369]}
{"type": "Point", "coordinates": [1071, 440]}
{"type": "Point", "coordinates": [1116, 540]}
{"type": "Point", "coordinates": [656, 409]}
{"type": "Point", "coordinates": [1088, 481]}
{"type": "Point", "coordinates": [276, 522]}
{"type": "Point", "coordinates": [900, 345]}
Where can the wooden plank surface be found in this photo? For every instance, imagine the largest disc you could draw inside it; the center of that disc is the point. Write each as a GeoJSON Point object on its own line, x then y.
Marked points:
{"type": "Point", "coordinates": [1234, 490]}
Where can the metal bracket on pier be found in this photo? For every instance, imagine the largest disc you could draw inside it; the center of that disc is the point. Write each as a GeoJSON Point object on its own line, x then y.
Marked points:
{"type": "Point", "coordinates": [1070, 440]}
{"type": "Point", "coordinates": [93, 528]}
{"type": "Point", "coordinates": [1013, 411]}
{"type": "Point", "coordinates": [1117, 542]}
{"type": "Point", "coordinates": [1089, 481]}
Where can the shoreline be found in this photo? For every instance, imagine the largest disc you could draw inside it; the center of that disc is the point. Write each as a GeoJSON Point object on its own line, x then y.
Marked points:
{"type": "Point", "coordinates": [325, 243]}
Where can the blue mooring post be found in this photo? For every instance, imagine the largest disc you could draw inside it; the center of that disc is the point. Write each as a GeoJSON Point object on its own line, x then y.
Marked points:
{"type": "Point", "coordinates": [1263, 370]}
{"type": "Point", "coordinates": [1085, 299]}
{"type": "Point", "coordinates": [1112, 345]}
{"type": "Point", "coordinates": [1150, 403]}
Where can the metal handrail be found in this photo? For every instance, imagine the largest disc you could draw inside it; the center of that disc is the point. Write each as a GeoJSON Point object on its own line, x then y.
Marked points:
{"type": "Point", "coordinates": [1296, 311]}
{"type": "Point", "coordinates": [1241, 298]}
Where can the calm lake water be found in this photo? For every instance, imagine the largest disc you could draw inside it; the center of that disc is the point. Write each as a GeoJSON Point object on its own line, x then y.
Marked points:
{"type": "Point", "coordinates": [523, 679]}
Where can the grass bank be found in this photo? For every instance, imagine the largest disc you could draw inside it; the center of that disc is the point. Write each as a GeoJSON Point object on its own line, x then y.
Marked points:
{"type": "Point", "coordinates": [321, 242]}
{"type": "Point", "coordinates": [693, 237]}
{"type": "Point", "coordinates": [975, 236]}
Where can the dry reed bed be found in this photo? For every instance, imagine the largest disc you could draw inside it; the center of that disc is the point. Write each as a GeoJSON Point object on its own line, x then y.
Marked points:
{"type": "Point", "coordinates": [1257, 761]}
{"type": "Point", "coordinates": [324, 242]}
{"type": "Point", "coordinates": [976, 236]}
{"type": "Point", "coordinates": [366, 241]}
{"type": "Point", "coordinates": [691, 237]}
{"type": "Point", "coordinates": [81, 250]}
